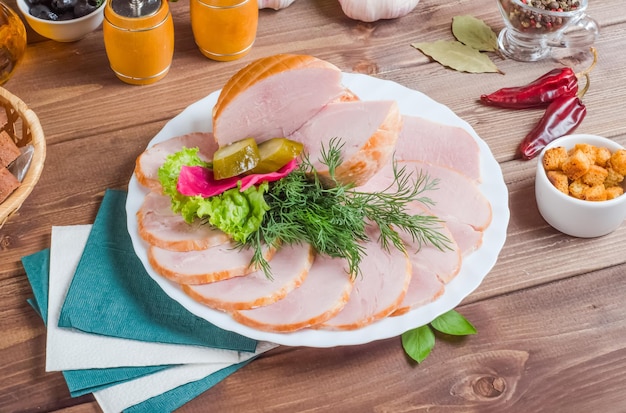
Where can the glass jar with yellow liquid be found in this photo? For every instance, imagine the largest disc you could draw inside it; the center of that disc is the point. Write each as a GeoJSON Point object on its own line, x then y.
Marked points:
{"type": "Point", "coordinates": [12, 42]}
{"type": "Point", "coordinates": [139, 39]}
{"type": "Point", "coordinates": [224, 30]}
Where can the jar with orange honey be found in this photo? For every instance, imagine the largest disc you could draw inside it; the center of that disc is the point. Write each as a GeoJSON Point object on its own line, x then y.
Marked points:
{"type": "Point", "coordinates": [224, 30]}
{"type": "Point", "coordinates": [12, 42]}
{"type": "Point", "coordinates": [139, 39]}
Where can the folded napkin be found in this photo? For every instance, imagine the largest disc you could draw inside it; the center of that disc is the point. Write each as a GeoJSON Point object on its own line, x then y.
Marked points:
{"type": "Point", "coordinates": [127, 300]}
{"type": "Point", "coordinates": [147, 378]}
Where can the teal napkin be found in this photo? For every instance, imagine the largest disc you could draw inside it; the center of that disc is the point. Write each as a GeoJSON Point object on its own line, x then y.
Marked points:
{"type": "Point", "coordinates": [79, 382]}
{"type": "Point", "coordinates": [112, 294]}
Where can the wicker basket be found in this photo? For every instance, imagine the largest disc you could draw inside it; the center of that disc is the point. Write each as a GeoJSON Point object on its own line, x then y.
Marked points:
{"type": "Point", "coordinates": [24, 127]}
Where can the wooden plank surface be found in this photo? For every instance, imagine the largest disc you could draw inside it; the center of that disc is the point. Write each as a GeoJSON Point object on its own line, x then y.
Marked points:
{"type": "Point", "coordinates": [550, 322]}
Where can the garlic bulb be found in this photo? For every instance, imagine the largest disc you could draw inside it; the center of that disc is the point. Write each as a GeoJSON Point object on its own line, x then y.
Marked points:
{"type": "Point", "coordinates": [274, 4]}
{"type": "Point", "coordinates": [372, 10]}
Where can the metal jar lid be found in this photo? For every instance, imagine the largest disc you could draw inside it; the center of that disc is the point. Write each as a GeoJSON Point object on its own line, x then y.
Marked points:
{"type": "Point", "coordinates": [135, 8]}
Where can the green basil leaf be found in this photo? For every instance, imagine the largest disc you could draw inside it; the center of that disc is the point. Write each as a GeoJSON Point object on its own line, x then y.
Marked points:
{"type": "Point", "coordinates": [457, 56]}
{"type": "Point", "coordinates": [475, 33]}
{"type": "Point", "coordinates": [454, 324]}
{"type": "Point", "coordinates": [418, 343]}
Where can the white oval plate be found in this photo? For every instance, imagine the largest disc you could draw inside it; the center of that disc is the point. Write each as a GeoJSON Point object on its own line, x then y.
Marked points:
{"type": "Point", "coordinates": [197, 118]}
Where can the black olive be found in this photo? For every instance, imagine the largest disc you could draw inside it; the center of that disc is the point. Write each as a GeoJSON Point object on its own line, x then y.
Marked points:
{"type": "Point", "coordinates": [61, 6]}
{"type": "Point", "coordinates": [43, 12]}
{"type": "Point", "coordinates": [84, 7]}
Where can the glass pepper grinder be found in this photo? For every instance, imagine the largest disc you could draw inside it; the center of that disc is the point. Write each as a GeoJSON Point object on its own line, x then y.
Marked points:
{"type": "Point", "coordinates": [139, 39]}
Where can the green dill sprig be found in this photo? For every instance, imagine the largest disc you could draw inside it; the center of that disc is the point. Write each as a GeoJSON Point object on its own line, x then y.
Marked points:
{"type": "Point", "coordinates": [333, 218]}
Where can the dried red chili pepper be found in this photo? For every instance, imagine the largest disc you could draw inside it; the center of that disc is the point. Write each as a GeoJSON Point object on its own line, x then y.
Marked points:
{"type": "Point", "coordinates": [562, 117]}
{"type": "Point", "coordinates": [539, 92]}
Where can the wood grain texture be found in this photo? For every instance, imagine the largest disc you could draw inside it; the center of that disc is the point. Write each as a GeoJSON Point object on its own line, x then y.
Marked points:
{"type": "Point", "coordinates": [550, 315]}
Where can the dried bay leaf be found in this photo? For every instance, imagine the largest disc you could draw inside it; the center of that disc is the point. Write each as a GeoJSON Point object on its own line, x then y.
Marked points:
{"type": "Point", "coordinates": [457, 56]}
{"type": "Point", "coordinates": [475, 33]}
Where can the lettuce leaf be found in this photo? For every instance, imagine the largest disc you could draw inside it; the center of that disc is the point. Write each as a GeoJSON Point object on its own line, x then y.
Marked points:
{"type": "Point", "coordinates": [237, 213]}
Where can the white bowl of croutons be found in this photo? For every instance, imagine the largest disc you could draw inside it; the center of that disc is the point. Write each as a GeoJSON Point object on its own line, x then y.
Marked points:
{"type": "Point", "coordinates": [580, 185]}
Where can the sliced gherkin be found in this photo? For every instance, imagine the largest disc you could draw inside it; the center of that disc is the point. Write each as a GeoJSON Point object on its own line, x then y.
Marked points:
{"type": "Point", "coordinates": [276, 153]}
{"type": "Point", "coordinates": [235, 159]}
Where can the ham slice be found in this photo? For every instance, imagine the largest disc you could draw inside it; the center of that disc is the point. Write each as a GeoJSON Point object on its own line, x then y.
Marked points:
{"type": "Point", "coordinates": [273, 96]}
{"type": "Point", "coordinates": [289, 266]}
{"type": "Point", "coordinates": [456, 196]}
{"type": "Point", "coordinates": [368, 131]}
{"type": "Point", "coordinates": [467, 238]}
{"type": "Point", "coordinates": [197, 267]}
{"type": "Point", "coordinates": [148, 163]}
{"type": "Point", "coordinates": [323, 294]}
{"type": "Point", "coordinates": [378, 290]}
{"type": "Point", "coordinates": [436, 143]}
{"type": "Point", "coordinates": [425, 287]}
{"type": "Point", "coordinates": [160, 226]}
{"type": "Point", "coordinates": [445, 262]}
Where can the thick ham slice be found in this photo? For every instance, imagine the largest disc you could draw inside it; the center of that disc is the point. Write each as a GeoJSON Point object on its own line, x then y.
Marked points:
{"type": "Point", "coordinates": [160, 226]}
{"type": "Point", "coordinates": [273, 96]}
{"type": "Point", "coordinates": [456, 196]}
{"type": "Point", "coordinates": [323, 294]}
{"type": "Point", "coordinates": [425, 287]}
{"type": "Point", "coordinates": [368, 131]}
{"type": "Point", "coordinates": [378, 290]}
{"type": "Point", "coordinates": [467, 238]}
{"type": "Point", "coordinates": [197, 267]}
{"type": "Point", "coordinates": [148, 163]}
{"type": "Point", "coordinates": [424, 140]}
{"type": "Point", "coordinates": [289, 266]}
{"type": "Point", "coordinates": [445, 262]}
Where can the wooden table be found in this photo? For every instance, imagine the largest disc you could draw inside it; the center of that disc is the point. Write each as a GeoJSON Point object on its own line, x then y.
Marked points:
{"type": "Point", "coordinates": [550, 315]}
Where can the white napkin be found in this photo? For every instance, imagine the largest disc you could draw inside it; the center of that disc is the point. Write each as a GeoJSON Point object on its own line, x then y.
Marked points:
{"type": "Point", "coordinates": [75, 350]}
{"type": "Point", "coordinates": [122, 396]}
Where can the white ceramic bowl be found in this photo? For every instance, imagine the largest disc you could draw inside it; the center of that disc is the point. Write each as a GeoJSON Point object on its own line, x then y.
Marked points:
{"type": "Point", "coordinates": [575, 217]}
{"type": "Point", "coordinates": [66, 30]}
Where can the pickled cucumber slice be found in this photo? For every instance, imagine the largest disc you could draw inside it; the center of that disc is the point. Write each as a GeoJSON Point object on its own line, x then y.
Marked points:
{"type": "Point", "coordinates": [235, 159]}
{"type": "Point", "coordinates": [276, 153]}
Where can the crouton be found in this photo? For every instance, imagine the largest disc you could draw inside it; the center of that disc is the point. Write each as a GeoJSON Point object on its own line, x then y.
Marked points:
{"type": "Point", "coordinates": [553, 158]}
{"type": "Point", "coordinates": [577, 189]}
{"type": "Point", "coordinates": [602, 156]}
{"type": "Point", "coordinates": [595, 176]}
{"type": "Point", "coordinates": [613, 178]}
{"type": "Point", "coordinates": [559, 180]}
{"type": "Point", "coordinates": [614, 192]}
{"type": "Point", "coordinates": [595, 193]}
{"type": "Point", "coordinates": [576, 165]}
{"type": "Point", "coordinates": [588, 150]}
{"type": "Point", "coordinates": [618, 161]}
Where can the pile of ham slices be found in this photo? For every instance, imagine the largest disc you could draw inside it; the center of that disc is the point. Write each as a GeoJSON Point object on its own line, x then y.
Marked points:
{"type": "Point", "coordinates": [302, 98]}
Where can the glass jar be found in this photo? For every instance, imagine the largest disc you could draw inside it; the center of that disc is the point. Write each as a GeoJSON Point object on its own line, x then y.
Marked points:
{"type": "Point", "coordinates": [12, 42]}
{"type": "Point", "coordinates": [224, 30]}
{"type": "Point", "coordinates": [139, 39]}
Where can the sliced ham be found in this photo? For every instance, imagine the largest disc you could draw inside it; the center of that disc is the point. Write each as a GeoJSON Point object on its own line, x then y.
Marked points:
{"type": "Point", "coordinates": [378, 290]}
{"type": "Point", "coordinates": [273, 96]}
{"type": "Point", "coordinates": [455, 197]}
{"type": "Point", "coordinates": [148, 163]}
{"type": "Point", "coordinates": [160, 226]}
{"type": "Point", "coordinates": [197, 267]}
{"type": "Point", "coordinates": [368, 131]}
{"type": "Point", "coordinates": [289, 266]}
{"type": "Point", "coordinates": [445, 262]}
{"type": "Point", "coordinates": [323, 294]}
{"type": "Point", "coordinates": [452, 146]}
{"type": "Point", "coordinates": [425, 287]}
{"type": "Point", "coordinates": [467, 238]}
